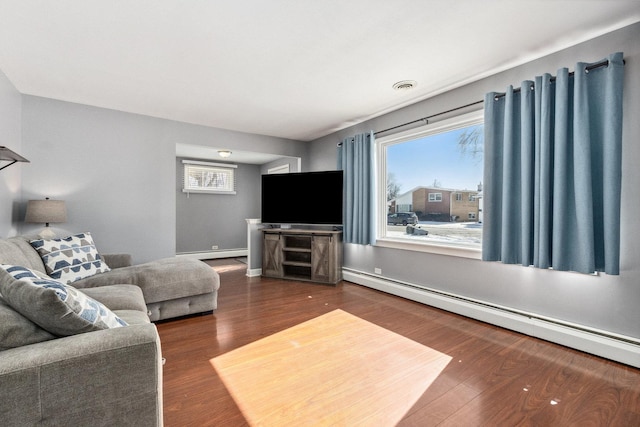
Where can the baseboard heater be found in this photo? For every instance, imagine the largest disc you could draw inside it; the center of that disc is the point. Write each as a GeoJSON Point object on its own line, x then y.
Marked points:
{"type": "Point", "coordinates": [223, 253]}
{"type": "Point", "coordinates": [601, 343]}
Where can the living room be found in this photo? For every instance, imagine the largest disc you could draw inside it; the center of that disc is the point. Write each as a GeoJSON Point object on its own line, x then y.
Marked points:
{"type": "Point", "coordinates": [117, 169]}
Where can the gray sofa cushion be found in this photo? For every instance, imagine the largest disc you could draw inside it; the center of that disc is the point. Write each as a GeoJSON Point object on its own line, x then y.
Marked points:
{"type": "Point", "coordinates": [117, 260]}
{"type": "Point", "coordinates": [18, 251]}
{"type": "Point", "coordinates": [16, 330]}
{"type": "Point", "coordinates": [162, 280]}
{"type": "Point", "coordinates": [118, 297]}
{"type": "Point", "coordinates": [58, 308]}
{"type": "Point", "coordinates": [133, 317]}
{"type": "Point", "coordinates": [125, 301]}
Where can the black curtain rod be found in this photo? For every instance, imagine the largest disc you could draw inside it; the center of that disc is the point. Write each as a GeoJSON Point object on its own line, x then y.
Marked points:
{"type": "Point", "coordinates": [426, 119]}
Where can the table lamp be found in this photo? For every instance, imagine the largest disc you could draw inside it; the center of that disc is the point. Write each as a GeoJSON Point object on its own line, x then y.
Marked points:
{"type": "Point", "coordinates": [46, 211]}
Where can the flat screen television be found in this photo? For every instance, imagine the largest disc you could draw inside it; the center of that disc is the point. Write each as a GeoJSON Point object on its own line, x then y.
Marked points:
{"type": "Point", "coordinates": [302, 198]}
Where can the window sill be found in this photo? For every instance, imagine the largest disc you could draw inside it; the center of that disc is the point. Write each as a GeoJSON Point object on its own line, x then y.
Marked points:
{"type": "Point", "coordinates": [209, 192]}
{"type": "Point", "coordinates": [450, 250]}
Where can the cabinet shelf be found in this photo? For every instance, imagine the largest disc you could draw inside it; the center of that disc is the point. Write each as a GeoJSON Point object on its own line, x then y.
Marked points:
{"type": "Point", "coordinates": [309, 255]}
{"type": "Point", "coordinates": [297, 263]}
{"type": "Point", "coordinates": [288, 249]}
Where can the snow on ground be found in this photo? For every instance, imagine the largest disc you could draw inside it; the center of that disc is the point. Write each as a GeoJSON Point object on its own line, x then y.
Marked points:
{"type": "Point", "coordinates": [468, 234]}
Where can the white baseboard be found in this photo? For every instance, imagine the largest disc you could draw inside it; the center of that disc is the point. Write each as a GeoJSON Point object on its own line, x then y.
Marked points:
{"type": "Point", "coordinates": [600, 343]}
{"type": "Point", "coordinates": [254, 272]}
{"type": "Point", "coordinates": [230, 253]}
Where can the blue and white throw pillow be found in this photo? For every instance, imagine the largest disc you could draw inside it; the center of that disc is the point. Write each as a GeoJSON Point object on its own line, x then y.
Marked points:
{"type": "Point", "coordinates": [58, 308]}
{"type": "Point", "coordinates": [70, 258]}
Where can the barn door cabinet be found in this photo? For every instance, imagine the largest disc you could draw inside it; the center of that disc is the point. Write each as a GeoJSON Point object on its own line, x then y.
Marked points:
{"type": "Point", "coordinates": [310, 255]}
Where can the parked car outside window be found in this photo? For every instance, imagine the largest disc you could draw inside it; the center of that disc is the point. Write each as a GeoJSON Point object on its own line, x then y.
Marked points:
{"type": "Point", "coordinates": [403, 218]}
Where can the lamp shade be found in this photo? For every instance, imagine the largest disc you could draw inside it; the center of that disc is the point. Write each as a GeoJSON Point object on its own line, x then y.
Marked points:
{"type": "Point", "coordinates": [46, 211]}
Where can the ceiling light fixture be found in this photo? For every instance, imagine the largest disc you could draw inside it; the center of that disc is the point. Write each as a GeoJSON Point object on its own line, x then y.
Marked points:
{"type": "Point", "coordinates": [224, 153]}
{"type": "Point", "coordinates": [405, 85]}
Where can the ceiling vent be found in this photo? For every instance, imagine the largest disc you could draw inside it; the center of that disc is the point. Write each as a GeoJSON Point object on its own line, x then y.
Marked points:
{"type": "Point", "coordinates": [405, 85]}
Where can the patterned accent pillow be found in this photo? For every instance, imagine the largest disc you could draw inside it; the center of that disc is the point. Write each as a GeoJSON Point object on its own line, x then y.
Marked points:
{"type": "Point", "coordinates": [70, 258]}
{"type": "Point", "coordinates": [58, 308]}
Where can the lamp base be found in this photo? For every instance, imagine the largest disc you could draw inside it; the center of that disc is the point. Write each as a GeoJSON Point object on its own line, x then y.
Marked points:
{"type": "Point", "coordinates": [47, 233]}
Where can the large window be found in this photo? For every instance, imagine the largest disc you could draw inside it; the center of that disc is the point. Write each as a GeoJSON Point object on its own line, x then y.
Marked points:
{"type": "Point", "coordinates": [437, 171]}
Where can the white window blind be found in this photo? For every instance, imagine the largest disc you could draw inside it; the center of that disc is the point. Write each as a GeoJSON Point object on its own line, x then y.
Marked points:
{"type": "Point", "coordinates": [209, 178]}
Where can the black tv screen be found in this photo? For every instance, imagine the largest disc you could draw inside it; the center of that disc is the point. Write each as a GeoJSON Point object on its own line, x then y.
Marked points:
{"type": "Point", "coordinates": [302, 198]}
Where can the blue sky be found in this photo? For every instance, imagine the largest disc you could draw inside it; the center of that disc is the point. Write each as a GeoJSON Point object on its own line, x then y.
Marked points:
{"type": "Point", "coordinates": [436, 157]}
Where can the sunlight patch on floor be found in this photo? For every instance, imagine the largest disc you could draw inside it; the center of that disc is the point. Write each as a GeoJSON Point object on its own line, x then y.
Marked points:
{"type": "Point", "coordinates": [336, 369]}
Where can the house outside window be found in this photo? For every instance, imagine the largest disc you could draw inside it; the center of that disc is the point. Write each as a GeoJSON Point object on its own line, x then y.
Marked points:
{"type": "Point", "coordinates": [439, 169]}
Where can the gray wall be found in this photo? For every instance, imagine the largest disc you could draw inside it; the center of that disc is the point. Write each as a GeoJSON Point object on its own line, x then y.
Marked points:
{"type": "Point", "coordinates": [204, 220]}
{"type": "Point", "coordinates": [10, 114]}
{"type": "Point", "coordinates": [117, 171]}
{"type": "Point", "coordinates": [605, 302]}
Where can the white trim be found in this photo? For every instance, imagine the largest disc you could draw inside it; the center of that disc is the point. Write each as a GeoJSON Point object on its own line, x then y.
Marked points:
{"type": "Point", "coordinates": [229, 253]}
{"type": "Point", "coordinates": [433, 248]}
{"type": "Point", "coordinates": [197, 162]}
{"type": "Point", "coordinates": [464, 120]}
{"type": "Point", "coordinates": [621, 348]}
{"type": "Point", "coordinates": [230, 193]}
{"type": "Point", "coordinates": [435, 197]}
{"type": "Point", "coordinates": [254, 272]}
{"type": "Point", "coordinates": [279, 169]}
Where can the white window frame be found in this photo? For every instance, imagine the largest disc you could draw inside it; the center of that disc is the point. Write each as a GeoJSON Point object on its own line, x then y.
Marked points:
{"type": "Point", "coordinates": [224, 168]}
{"type": "Point", "coordinates": [437, 197]}
{"type": "Point", "coordinates": [446, 125]}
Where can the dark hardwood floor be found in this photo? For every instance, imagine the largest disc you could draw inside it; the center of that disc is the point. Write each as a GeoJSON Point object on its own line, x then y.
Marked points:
{"type": "Point", "coordinates": [496, 377]}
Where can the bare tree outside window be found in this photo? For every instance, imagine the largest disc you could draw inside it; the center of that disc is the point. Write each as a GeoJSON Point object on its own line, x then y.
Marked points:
{"type": "Point", "coordinates": [393, 188]}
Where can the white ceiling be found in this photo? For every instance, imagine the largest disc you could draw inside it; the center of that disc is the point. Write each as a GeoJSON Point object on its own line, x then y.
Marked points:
{"type": "Point", "coordinates": [237, 156]}
{"type": "Point", "coordinates": [297, 69]}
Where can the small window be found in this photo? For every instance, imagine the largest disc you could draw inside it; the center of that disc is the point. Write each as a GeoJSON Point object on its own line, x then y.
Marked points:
{"type": "Point", "coordinates": [472, 215]}
{"type": "Point", "coordinates": [211, 178]}
{"type": "Point", "coordinates": [472, 197]}
{"type": "Point", "coordinates": [435, 197]}
{"type": "Point", "coordinates": [458, 197]}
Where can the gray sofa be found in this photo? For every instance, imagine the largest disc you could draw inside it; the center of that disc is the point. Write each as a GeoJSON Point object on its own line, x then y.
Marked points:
{"type": "Point", "coordinates": [104, 377]}
{"type": "Point", "coordinates": [172, 287]}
